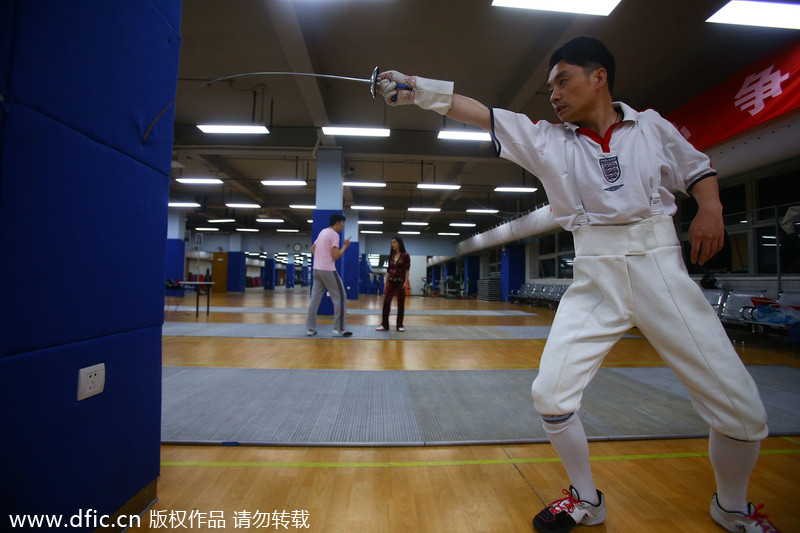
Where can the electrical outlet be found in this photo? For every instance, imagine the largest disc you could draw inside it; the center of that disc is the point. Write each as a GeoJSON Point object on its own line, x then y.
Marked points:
{"type": "Point", "coordinates": [91, 381]}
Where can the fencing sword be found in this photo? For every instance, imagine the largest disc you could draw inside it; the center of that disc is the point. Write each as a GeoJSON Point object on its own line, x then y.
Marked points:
{"type": "Point", "coordinates": [372, 80]}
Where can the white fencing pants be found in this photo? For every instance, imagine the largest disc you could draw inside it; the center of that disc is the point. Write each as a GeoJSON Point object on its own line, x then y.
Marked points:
{"type": "Point", "coordinates": [634, 275]}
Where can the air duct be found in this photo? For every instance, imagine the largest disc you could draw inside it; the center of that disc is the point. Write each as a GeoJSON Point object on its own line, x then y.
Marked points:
{"type": "Point", "coordinates": [534, 223]}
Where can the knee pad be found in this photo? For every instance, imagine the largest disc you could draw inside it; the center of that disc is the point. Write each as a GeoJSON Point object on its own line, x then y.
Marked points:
{"type": "Point", "coordinates": [560, 424]}
{"type": "Point", "coordinates": [556, 419]}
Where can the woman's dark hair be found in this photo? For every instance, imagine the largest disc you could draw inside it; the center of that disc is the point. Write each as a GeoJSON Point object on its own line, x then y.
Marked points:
{"type": "Point", "coordinates": [400, 246]}
{"type": "Point", "coordinates": [589, 53]}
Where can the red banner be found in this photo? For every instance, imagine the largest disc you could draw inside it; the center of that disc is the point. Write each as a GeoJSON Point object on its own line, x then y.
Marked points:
{"type": "Point", "coordinates": [766, 89]}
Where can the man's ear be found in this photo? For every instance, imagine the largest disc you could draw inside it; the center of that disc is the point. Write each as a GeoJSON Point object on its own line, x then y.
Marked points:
{"type": "Point", "coordinates": [600, 77]}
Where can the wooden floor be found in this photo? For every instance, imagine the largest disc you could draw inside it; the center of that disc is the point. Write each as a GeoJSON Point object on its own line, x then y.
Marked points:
{"type": "Point", "coordinates": [650, 485]}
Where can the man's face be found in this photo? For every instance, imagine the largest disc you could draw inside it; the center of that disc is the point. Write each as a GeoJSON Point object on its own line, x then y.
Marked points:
{"type": "Point", "coordinates": [572, 93]}
{"type": "Point", "coordinates": [339, 226]}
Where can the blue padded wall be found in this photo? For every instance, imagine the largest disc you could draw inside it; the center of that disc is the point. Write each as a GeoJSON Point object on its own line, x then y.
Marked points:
{"type": "Point", "coordinates": [237, 271]}
{"type": "Point", "coordinates": [472, 268]}
{"type": "Point", "coordinates": [364, 286]}
{"type": "Point", "coordinates": [175, 263]}
{"type": "Point", "coordinates": [175, 259]}
{"type": "Point", "coordinates": [350, 261]}
{"type": "Point", "coordinates": [268, 274]}
{"type": "Point", "coordinates": [101, 219]}
{"type": "Point", "coordinates": [61, 455]}
{"type": "Point", "coordinates": [6, 40]}
{"type": "Point", "coordinates": [61, 48]}
{"type": "Point", "coordinates": [512, 268]}
{"type": "Point", "coordinates": [83, 216]}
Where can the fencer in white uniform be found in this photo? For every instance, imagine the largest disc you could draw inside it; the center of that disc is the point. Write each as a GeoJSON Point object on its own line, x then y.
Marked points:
{"type": "Point", "coordinates": [610, 173]}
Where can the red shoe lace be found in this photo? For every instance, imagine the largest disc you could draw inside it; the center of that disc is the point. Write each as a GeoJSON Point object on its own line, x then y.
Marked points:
{"type": "Point", "coordinates": [762, 520]}
{"type": "Point", "coordinates": [564, 504]}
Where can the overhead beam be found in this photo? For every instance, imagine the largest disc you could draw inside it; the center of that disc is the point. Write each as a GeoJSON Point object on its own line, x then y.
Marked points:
{"type": "Point", "coordinates": [290, 36]}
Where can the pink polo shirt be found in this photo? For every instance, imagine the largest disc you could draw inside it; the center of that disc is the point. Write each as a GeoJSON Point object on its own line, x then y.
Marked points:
{"type": "Point", "coordinates": [323, 251]}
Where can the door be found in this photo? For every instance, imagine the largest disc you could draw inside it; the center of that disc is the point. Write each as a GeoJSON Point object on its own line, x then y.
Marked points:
{"type": "Point", "coordinates": [219, 272]}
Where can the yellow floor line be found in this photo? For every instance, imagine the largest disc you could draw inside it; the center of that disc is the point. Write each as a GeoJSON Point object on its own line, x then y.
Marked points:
{"type": "Point", "coordinates": [466, 462]}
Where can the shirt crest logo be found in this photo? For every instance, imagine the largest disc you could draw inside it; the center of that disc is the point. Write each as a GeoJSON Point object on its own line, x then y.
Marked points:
{"type": "Point", "coordinates": [610, 168]}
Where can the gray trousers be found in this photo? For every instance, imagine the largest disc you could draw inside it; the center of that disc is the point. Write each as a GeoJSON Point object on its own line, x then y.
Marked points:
{"type": "Point", "coordinates": [327, 280]}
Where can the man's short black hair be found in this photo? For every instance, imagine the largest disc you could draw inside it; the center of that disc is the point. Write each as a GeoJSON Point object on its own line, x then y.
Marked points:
{"type": "Point", "coordinates": [589, 53]}
{"type": "Point", "coordinates": [334, 218]}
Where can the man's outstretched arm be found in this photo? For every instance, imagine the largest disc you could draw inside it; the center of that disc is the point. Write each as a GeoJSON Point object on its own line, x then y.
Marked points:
{"type": "Point", "coordinates": [435, 95]}
{"type": "Point", "coordinates": [469, 111]}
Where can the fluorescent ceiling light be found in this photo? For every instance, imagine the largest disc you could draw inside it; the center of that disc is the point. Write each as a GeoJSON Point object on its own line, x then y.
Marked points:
{"type": "Point", "coordinates": [206, 229]}
{"type": "Point", "coordinates": [515, 189]}
{"type": "Point", "coordinates": [766, 14]}
{"type": "Point", "coordinates": [284, 183]}
{"type": "Point", "coordinates": [414, 223]}
{"type": "Point", "coordinates": [442, 186]}
{"type": "Point", "coordinates": [584, 7]}
{"type": "Point", "coordinates": [221, 220]}
{"type": "Point", "coordinates": [363, 184]}
{"type": "Point", "coordinates": [367, 207]}
{"type": "Point", "coordinates": [371, 231]}
{"type": "Point", "coordinates": [485, 211]}
{"type": "Point", "coordinates": [373, 222]}
{"type": "Point", "coordinates": [288, 230]}
{"type": "Point", "coordinates": [244, 206]}
{"type": "Point", "coordinates": [269, 220]}
{"type": "Point", "coordinates": [462, 135]}
{"type": "Point", "coordinates": [357, 132]}
{"type": "Point", "coordinates": [408, 232]}
{"type": "Point", "coordinates": [452, 234]}
{"type": "Point", "coordinates": [252, 129]}
{"type": "Point", "coordinates": [247, 229]}
{"type": "Point", "coordinates": [183, 204]}
{"type": "Point", "coordinates": [462, 224]}
{"type": "Point", "coordinates": [425, 209]}
{"type": "Point", "coordinates": [199, 181]}
{"type": "Point", "coordinates": [297, 206]}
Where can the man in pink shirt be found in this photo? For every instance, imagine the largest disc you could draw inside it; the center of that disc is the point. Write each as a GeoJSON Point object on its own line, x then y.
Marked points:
{"type": "Point", "coordinates": [326, 251]}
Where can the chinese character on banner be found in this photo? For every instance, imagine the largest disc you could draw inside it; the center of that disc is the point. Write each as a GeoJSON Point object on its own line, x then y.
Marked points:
{"type": "Point", "coordinates": [757, 88]}
{"type": "Point", "coordinates": [767, 89]}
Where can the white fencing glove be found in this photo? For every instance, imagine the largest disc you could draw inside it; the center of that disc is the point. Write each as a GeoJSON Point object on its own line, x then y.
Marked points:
{"type": "Point", "coordinates": [399, 89]}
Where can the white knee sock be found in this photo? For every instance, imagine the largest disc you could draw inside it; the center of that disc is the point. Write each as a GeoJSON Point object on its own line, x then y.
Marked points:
{"type": "Point", "coordinates": [733, 461]}
{"type": "Point", "coordinates": [569, 440]}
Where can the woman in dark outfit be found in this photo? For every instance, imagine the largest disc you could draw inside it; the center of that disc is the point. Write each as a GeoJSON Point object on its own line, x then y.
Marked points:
{"type": "Point", "coordinates": [396, 281]}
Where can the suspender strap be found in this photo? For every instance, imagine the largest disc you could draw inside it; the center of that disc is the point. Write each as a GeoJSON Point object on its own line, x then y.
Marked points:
{"type": "Point", "coordinates": [583, 220]}
{"type": "Point", "coordinates": [655, 180]}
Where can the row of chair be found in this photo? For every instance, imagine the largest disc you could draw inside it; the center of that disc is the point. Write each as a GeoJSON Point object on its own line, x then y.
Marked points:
{"type": "Point", "coordinates": [539, 294]}
{"type": "Point", "coordinates": [753, 308]}
{"type": "Point", "coordinates": [735, 307]}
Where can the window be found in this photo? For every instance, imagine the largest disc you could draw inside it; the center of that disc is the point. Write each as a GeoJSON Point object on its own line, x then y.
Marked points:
{"type": "Point", "coordinates": [547, 268]}
{"type": "Point", "coordinates": [767, 251]}
{"type": "Point", "coordinates": [565, 242]}
{"type": "Point", "coordinates": [565, 265]}
{"type": "Point", "coordinates": [547, 244]}
{"type": "Point", "coordinates": [734, 204]}
{"type": "Point", "coordinates": [776, 191]}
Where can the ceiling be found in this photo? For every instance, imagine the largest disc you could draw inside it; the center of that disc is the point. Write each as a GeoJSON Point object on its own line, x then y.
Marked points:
{"type": "Point", "coordinates": [666, 55]}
